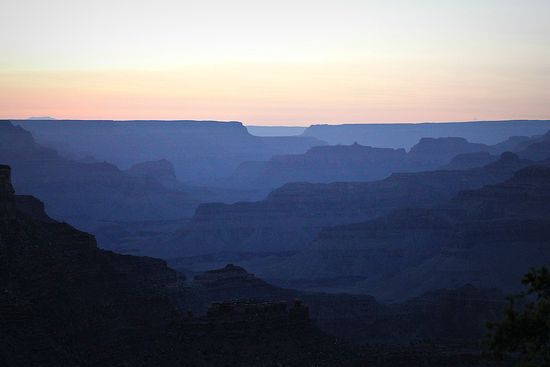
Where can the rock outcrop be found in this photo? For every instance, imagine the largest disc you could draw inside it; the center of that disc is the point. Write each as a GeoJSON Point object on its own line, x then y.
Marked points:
{"type": "Point", "coordinates": [351, 163]}
{"type": "Point", "coordinates": [321, 164]}
{"type": "Point", "coordinates": [487, 237]}
{"type": "Point", "coordinates": [446, 316]}
{"type": "Point", "coordinates": [291, 216]}
{"type": "Point", "coordinates": [431, 153]}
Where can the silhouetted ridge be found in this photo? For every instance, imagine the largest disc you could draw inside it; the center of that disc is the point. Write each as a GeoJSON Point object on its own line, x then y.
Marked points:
{"type": "Point", "coordinates": [61, 294]}
{"type": "Point", "coordinates": [345, 163]}
{"type": "Point", "coordinates": [64, 302]}
{"type": "Point", "coordinates": [488, 236]}
{"type": "Point", "coordinates": [405, 135]}
{"type": "Point", "coordinates": [202, 152]}
{"type": "Point", "coordinates": [292, 215]}
{"type": "Point", "coordinates": [87, 194]}
{"type": "Point", "coordinates": [7, 200]}
{"type": "Point", "coordinates": [449, 315]}
{"type": "Point", "coordinates": [320, 164]}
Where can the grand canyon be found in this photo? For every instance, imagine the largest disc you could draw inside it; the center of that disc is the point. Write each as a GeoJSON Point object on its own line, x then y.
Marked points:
{"type": "Point", "coordinates": [288, 183]}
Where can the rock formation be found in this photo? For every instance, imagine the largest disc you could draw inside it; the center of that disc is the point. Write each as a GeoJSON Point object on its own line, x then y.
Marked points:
{"type": "Point", "coordinates": [445, 316]}
{"type": "Point", "coordinates": [7, 200]}
{"type": "Point", "coordinates": [64, 302]}
{"type": "Point", "coordinates": [487, 237]}
{"type": "Point", "coordinates": [321, 164]}
{"type": "Point", "coordinates": [291, 216]}
{"type": "Point", "coordinates": [203, 152]}
{"type": "Point", "coordinates": [87, 194]}
{"type": "Point", "coordinates": [350, 163]}
{"type": "Point", "coordinates": [430, 153]}
{"type": "Point", "coordinates": [405, 135]}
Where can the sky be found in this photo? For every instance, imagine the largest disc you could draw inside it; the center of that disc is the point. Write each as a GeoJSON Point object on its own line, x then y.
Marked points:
{"type": "Point", "coordinates": [276, 62]}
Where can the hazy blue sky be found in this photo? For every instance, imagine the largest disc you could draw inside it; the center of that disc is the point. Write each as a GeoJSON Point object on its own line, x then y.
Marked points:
{"type": "Point", "coordinates": [269, 62]}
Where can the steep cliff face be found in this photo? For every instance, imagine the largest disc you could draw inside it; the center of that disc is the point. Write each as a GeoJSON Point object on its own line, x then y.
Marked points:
{"type": "Point", "coordinates": [292, 215]}
{"type": "Point", "coordinates": [487, 237]}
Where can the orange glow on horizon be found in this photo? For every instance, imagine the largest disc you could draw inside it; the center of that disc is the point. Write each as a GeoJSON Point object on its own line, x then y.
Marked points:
{"type": "Point", "coordinates": [288, 62]}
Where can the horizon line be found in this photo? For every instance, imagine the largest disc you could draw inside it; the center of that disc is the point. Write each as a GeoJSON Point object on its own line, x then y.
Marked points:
{"type": "Point", "coordinates": [51, 119]}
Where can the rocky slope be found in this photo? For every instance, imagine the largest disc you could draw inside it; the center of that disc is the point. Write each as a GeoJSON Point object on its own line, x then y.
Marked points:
{"type": "Point", "coordinates": [345, 163]}
{"type": "Point", "coordinates": [64, 302]}
{"type": "Point", "coordinates": [487, 237]}
{"type": "Point", "coordinates": [444, 317]}
{"type": "Point", "coordinates": [292, 215]}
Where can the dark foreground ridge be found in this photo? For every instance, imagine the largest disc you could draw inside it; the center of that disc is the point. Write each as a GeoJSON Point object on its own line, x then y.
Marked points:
{"type": "Point", "coordinates": [64, 302]}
